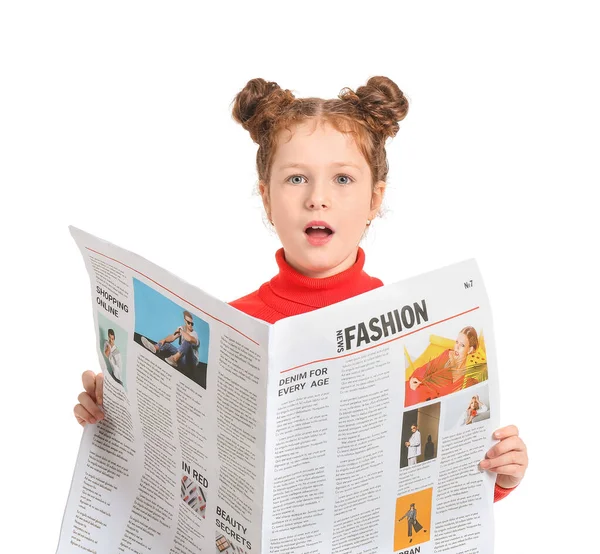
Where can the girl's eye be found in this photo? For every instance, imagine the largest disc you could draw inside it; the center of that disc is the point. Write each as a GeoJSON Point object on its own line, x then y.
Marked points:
{"type": "Point", "coordinates": [296, 177]}
{"type": "Point", "coordinates": [348, 180]}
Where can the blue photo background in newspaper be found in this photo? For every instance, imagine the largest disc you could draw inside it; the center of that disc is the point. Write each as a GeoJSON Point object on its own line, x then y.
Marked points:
{"type": "Point", "coordinates": [156, 317]}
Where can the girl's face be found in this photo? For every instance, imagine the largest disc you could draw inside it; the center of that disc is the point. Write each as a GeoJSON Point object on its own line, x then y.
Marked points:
{"type": "Point", "coordinates": [320, 198]}
{"type": "Point", "coordinates": [461, 348]}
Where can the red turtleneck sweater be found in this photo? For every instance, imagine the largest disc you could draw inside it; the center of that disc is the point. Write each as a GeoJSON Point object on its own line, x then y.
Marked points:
{"type": "Point", "coordinates": [291, 293]}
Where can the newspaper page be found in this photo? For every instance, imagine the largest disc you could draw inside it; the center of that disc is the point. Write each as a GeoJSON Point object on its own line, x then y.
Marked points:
{"type": "Point", "coordinates": [177, 464]}
{"type": "Point", "coordinates": [380, 408]}
{"type": "Point", "coordinates": [356, 428]}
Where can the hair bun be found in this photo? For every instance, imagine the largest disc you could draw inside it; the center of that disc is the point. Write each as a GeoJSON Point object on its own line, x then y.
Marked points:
{"type": "Point", "coordinates": [258, 104]}
{"type": "Point", "coordinates": [381, 102]}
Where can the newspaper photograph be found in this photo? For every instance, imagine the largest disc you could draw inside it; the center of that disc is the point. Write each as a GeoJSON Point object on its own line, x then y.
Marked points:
{"type": "Point", "coordinates": [354, 428]}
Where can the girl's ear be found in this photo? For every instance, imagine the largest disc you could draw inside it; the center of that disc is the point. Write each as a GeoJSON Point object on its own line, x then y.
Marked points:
{"type": "Point", "coordinates": [263, 189]}
{"type": "Point", "coordinates": [377, 198]}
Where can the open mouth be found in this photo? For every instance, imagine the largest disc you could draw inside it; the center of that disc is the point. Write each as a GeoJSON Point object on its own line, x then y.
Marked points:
{"type": "Point", "coordinates": [318, 231]}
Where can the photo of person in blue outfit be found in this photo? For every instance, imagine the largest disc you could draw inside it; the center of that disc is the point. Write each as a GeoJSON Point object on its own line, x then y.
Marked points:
{"type": "Point", "coordinates": [171, 332]}
{"type": "Point", "coordinates": [183, 356]}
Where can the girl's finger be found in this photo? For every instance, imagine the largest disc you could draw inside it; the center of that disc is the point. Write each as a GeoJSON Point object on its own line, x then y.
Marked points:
{"type": "Point", "coordinates": [89, 405]}
{"type": "Point", "coordinates": [514, 457]}
{"type": "Point", "coordinates": [100, 389]}
{"type": "Point", "coordinates": [88, 378]}
{"type": "Point", "coordinates": [506, 445]}
{"type": "Point", "coordinates": [505, 432]}
{"type": "Point", "coordinates": [513, 470]}
{"type": "Point", "coordinates": [83, 416]}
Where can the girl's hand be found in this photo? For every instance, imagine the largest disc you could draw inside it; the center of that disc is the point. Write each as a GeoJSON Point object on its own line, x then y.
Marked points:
{"type": "Point", "coordinates": [508, 458]}
{"type": "Point", "coordinates": [89, 409]}
{"type": "Point", "coordinates": [414, 383]}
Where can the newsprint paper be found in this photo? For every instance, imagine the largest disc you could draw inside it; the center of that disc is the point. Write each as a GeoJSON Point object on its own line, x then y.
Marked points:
{"type": "Point", "coordinates": [355, 428]}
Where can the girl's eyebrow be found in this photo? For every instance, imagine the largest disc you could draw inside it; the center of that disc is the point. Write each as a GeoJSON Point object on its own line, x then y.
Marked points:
{"type": "Point", "coordinates": [334, 164]}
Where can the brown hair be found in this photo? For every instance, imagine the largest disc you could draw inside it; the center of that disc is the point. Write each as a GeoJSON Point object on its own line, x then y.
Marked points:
{"type": "Point", "coordinates": [471, 334]}
{"type": "Point", "coordinates": [188, 314]}
{"type": "Point", "coordinates": [371, 114]}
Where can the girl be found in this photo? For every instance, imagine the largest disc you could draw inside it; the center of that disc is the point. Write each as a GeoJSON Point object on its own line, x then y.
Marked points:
{"type": "Point", "coordinates": [322, 171]}
{"type": "Point", "coordinates": [476, 407]}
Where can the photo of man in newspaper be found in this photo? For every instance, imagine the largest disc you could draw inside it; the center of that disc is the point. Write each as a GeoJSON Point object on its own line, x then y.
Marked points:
{"type": "Point", "coordinates": [416, 424]}
{"type": "Point", "coordinates": [413, 519]}
{"type": "Point", "coordinates": [186, 355]}
{"type": "Point", "coordinates": [446, 366]}
{"type": "Point", "coordinates": [171, 332]}
{"type": "Point", "coordinates": [414, 445]}
{"type": "Point", "coordinates": [113, 345]}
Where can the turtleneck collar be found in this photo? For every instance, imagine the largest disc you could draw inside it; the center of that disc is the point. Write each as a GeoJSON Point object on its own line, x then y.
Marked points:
{"type": "Point", "coordinates": [292, 293]}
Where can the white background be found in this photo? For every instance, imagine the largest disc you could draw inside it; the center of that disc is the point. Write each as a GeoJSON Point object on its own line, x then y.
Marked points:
{"type": "Point", "coordinates": [115, 117]}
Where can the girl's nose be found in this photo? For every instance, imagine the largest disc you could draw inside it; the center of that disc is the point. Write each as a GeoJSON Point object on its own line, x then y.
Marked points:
{"type": "Point", "coordinates": [318, 197]}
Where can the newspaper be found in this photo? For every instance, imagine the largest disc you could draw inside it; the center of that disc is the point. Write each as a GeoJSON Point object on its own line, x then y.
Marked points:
{"type": "Point", "coordinates": [353, 428]}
